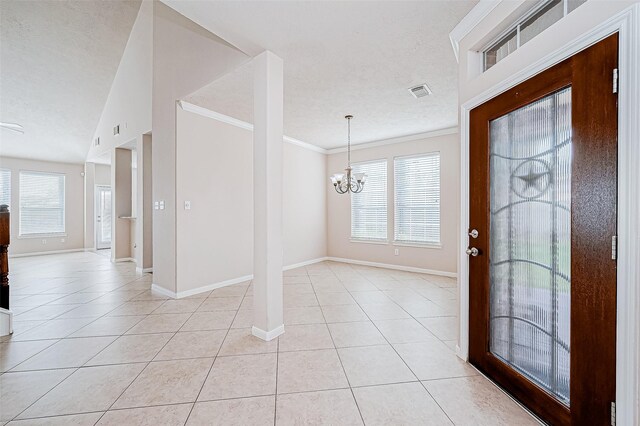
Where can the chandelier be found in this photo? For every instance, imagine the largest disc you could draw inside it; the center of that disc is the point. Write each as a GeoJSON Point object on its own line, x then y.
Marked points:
{"type": "Point", "coordinates": [349, 182]}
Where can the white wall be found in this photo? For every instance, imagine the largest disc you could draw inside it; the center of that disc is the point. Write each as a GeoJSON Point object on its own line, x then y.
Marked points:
{"type": "Point", "coordinates": [74, 206]}
{"type": "Point", "coordinates": [215, 173]}
{"type": "Point", "coordinates": [129, 100]}
{"type": "Point", "coordinates": [186, 57]}
{"type": "Point", "coordinates": [441, 259]}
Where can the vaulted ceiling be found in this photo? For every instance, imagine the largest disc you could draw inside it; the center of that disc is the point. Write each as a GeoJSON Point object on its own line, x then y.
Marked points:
{"type": "Point", "coordinates": [340, 58]}
{"type": "Point", "coordinates": [57, 62]}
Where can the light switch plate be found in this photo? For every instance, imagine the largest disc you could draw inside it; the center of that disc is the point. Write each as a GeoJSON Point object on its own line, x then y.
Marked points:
{"type": "Point", "coordinates": [187, 205]}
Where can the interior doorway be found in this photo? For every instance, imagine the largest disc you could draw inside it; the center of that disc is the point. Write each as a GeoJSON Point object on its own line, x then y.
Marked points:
{"type": "Point", "coordinates": [543, 219]}
{"type": "Point", "coordinates": [103, 217]}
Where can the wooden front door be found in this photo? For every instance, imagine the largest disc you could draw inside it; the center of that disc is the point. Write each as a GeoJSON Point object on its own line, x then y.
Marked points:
{"type": "Point", "coordinates": [543, 197]}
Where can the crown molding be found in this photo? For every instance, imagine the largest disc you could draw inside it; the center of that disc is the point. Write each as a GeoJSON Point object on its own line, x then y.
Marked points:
{"type": "Point", "coordinates": [186, 106]}
{"type": "Point", "coordinates": [469, 22]}
{"type": "Point", "coordinates": [391, 141]}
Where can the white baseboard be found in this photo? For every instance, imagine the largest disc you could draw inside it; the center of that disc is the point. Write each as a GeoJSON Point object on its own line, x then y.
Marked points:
{"type": "Point", "coordinates": [232, 281]}
{"type": "Point", "coordinates": [144, 270]}
{"type": "Point", "coordinates": [42, 253]}
{"type": "Point", "coordinates": [6, 322]}
{"type": "Point", "coordinates": [214, 286]}
{"type": "Point", "coordinates": [305, 263]}
{"type": "Point", "coordinates": [123, 259]}
{"type": "Point", "coordinates": [395, 267]}
{"type": "Point", "coordinates": [159, 289]}
{"type": "Point", "coordinates": [267, 335]}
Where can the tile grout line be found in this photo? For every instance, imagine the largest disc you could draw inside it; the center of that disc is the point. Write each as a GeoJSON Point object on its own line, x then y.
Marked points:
{"type": "Point", "coordinates": [338, 355]}
{"type": "Point", "coordinates": [218, 352]}
{"type": "Point", "coordinates": [396, 352]}
{"type": "Point", "coordinates": [54, 387]}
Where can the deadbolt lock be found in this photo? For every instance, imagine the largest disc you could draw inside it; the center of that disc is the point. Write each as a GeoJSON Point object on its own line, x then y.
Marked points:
{"type": "Point", "coordinates": [472, 251]}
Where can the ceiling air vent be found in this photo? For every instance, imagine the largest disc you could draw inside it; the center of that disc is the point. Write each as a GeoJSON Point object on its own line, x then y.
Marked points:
{"type": "Point", "coordinates": [96, 142]}
{"type": "Point", "coordinates": [420, 91]}
{"type": "Point", "coordinates": [116, 130]}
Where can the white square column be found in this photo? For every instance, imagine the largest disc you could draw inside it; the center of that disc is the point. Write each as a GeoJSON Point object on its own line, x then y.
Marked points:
{"type": "Point", "coordinates": [267, 196]}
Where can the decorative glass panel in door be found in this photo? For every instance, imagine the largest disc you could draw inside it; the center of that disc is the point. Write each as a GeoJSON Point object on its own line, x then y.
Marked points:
{"type": "Point", "coordinates": [103, 217]}
{"type": "Point", "coordinates": [530, 241]}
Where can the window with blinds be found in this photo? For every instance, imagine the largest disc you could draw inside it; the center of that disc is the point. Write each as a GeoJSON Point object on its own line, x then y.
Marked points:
{"type": "Point", "coordinates": [41, 203]}
{"type": "Point", "coordinates": [5, 187]}
{"type": "Point", "coordinates": [417, 199]}
{"type": "Point", "coordinates": [369, 207]}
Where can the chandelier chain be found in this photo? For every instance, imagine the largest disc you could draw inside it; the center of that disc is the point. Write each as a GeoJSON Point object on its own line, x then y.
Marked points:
{"type": "Point", "coordinates": [349, 141]}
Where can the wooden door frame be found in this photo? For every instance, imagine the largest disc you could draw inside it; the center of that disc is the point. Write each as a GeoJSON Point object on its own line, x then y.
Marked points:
{"type": "Point", "coordinates": [627, 25]}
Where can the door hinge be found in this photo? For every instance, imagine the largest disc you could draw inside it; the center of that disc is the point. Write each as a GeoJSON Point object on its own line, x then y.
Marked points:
{"type": "Point", "coordinates": [613, 413]}
{"type": "Point", "coordinates": [614, 247]}
{"type": "Point", "coordinates": [615, 80]}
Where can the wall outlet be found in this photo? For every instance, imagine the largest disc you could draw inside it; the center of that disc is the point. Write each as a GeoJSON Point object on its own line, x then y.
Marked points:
{"type": "Point", "coordinates": [161, 205]}
{"type": "Point", "coordinates": [396, 252]}
{"type": "Point", "coordinates": [187, 205]}
{"type": "Point", "coordinates": [62, 240]}
{"type": "Point", "coordinates": [44, 241]}
{"type": "Point", "coordinates": [156, 205]}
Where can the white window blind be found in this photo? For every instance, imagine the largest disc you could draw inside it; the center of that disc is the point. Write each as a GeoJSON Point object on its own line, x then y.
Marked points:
{"type": "Point", "coordinates": [5, 187]}
{"type": "Point", "coordinates": [41, 203]}
{"type": "Point", "coordinates": [417, 199]}
{"type": "Point", "coordinates": [369, 207]}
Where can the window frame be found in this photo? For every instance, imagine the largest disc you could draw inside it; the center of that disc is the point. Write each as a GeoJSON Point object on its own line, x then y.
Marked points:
{"type": "Point", "coordinates": [516, 26]}
{"type": "Point", "coordinates": [379, 241]}
{"type": "Point", "coordinates": [10, 192]}
{"type": "Point", "coordinates": [421, 244]}
{"type": "Point", "coordinates": [62, 233]}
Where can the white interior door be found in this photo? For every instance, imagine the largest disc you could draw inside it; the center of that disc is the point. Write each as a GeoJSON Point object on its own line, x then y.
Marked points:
{"type": "Point", "coordinates": [103, 217]}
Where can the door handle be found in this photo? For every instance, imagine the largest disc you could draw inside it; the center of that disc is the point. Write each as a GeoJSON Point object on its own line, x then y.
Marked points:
{"type": "Point", "coordinates": [473, 233]}
{"type": "Point", "coordinates": [472, 251]}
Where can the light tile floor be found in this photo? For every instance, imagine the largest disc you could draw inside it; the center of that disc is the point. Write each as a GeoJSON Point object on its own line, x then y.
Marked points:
{"type": "Point", "coordinates": [94, 345]}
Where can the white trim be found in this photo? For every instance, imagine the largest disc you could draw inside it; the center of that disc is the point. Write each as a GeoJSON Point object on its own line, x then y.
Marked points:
{"type": "Point", "coordinates": [417, 244]}
{"type": "Point", "coordinates": [469, 22]}
{"type": "Point", "coordinates": [400, 139]}
{"type": "Point", "coordinates": [305, 263]}
{"type": "Point", "coordinates": [43, 236]}
{"type": "Point", "coordinates": [267, 335]}
{"type": "Point", "coordinates": [394, 267]}
{"type": "Point", "coordinates": [205, 112]}
{"type": "Point", "coordinates": [42, 253]}
{"type": "Point", "coordinates": [123, 259]}
{"type": "Point", "coordinates": [186, 106]}
{"type": "Point", "coordinates": [628, 293]}
{"type": "Point", "coordinates": [304, 145]}
{"type": "Point", "coordinates": [364, 241]}
{"type": "Point", "coordinates": [163, 291]}
{"type": "Point", "coordinates": [214, 286]}
{"type": "Point", "coordinates": [6, 322]}
{"type": "Point", "coordinates": [144, 270]}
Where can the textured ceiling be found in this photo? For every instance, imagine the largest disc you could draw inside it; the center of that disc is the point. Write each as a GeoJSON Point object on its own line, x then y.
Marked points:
{"type": "Point", "coordinates": [57, 62]}
{"type": "Point", "coordinates": [340, 58]}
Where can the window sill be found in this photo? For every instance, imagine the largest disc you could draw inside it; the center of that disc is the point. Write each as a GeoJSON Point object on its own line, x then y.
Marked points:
{"type": "Point", "coordinates": [379, 242]}
{"type": "Point", "coordinates": [418, 245]}
{"type": "Point", "coordinates": [34, 236]}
